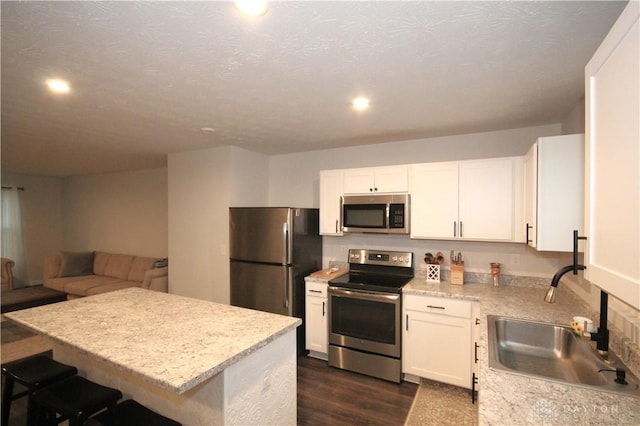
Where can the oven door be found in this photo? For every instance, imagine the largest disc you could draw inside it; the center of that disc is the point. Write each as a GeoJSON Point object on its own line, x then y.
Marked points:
{"type": "Point", "coordinates": [365, 321]}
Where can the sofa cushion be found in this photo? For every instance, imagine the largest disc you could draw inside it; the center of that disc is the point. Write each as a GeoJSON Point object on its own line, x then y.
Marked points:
{"type": "Point", "coordinates": [82, 287]}
{"type": "Point", "coordinates": [139, 267]}
{"type": "Point", "coordinates": [119, 285]}
{"type": "Point", "coordinates": [74, 264]}
{"type": "Point", "coordinates": [118, 266]}
{"type": "Point", "coordinates": [100, 262]}
{"type": "Point", "coordinates": [60, 283]}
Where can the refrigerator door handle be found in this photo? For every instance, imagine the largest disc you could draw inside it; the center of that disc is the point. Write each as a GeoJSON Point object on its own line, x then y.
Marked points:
{"type": "Point", "coordinates": [285, 235]}
{"type": "Point", "coordinates": [286, 287]}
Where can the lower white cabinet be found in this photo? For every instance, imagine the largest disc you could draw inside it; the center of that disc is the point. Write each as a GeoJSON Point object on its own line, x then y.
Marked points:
{"type": "Point", "coordinates": [437, 339]}
{"type": "Point", "coordinates": [316, 323]}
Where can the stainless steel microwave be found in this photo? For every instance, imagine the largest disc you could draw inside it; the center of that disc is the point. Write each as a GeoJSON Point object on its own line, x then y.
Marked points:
{"type": "Point", "coordinates": [379, 213]}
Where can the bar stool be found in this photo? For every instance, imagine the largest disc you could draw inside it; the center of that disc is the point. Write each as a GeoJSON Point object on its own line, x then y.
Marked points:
{"type": "Point", "coordinates": [33, 373]}
{"type": "Point", "coordinates": [130, 413]}
{"type": "Point", "coordinates": [74, 398]}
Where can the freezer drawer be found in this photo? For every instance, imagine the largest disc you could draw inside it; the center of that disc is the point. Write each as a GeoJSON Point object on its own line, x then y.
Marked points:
{"type": "Point", "coordinates": [262, 287]}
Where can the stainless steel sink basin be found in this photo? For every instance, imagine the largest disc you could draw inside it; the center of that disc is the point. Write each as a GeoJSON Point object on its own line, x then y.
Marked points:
{"type": "Point", "coordinates": [552, 351]}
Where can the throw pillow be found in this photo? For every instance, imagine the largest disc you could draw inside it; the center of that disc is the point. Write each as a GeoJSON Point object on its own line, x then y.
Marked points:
{"type": "Point", "coordinates": [76, 263]}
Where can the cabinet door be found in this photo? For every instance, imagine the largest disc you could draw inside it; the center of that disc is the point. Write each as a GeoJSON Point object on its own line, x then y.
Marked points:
{"type": "Point", "coordinates": [359, 181]}
{"type": "Point", "coordinates": [376, 179]}
{"type": "Point", "coordinates": [392, 179]}
{"type": "Point", "coordinates": [434, 200]}
{"type": "Point", "coordinates": [531, 195]}
{"type": "Point", "coordinates": [316, 324]}
{"type": "Point", "coordinates": [486, 209]}
{"type": "Point", "coordinates": [560, 191]}
{"type": "Point", "coordinates": [613, 160]}
{"type": "Point", "coordinates": [330, 193]}
{"type": "Point", "coordinates": [437, 347]}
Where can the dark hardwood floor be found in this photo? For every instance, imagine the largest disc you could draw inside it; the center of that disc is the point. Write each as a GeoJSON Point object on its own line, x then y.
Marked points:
{"type": "Point", "coordinates": [329, 396]}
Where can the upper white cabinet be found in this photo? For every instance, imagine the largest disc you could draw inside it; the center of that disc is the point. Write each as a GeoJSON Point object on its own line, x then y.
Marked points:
{"type": "Point", "coordinates": [330, 193]}
{"type": "Point", "coordinates": [376, 179]}
{"type": "Point", "coordinates": [612, 96]}
{"type": "Point", "coordinates": [554, 192]}
{"type": "Point", "coordinates": [471, 200]}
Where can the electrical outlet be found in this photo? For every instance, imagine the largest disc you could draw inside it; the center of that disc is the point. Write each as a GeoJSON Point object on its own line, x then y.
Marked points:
{"type": "Point", "coordinates": [515, 259]}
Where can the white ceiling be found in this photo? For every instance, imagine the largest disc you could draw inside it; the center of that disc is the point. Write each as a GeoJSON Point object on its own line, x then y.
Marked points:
{"type": "Point", "coordinates": [147, 76]}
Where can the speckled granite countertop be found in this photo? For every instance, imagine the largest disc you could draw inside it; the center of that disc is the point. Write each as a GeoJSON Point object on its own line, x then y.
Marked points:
{"type": "Point", "coordinates": [171, 341]}
{"type": "Point", "coordinates": [511, 399]}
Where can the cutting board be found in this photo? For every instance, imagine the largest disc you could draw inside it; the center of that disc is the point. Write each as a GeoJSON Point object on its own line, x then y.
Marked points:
{"type": "Point", "coordinates": [329, 273]}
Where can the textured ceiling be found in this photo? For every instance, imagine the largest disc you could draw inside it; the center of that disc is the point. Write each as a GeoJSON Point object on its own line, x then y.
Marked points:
{"type": "Point", "coordinates": [147, 76]}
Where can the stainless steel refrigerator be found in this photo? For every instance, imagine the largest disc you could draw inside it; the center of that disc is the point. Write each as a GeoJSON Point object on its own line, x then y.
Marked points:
{"type": "Point", "coordinates": [271, 250]}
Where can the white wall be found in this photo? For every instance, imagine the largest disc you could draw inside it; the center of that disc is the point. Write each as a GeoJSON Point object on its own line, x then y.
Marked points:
{"type": "Point", "coordinates": [117, 212]}
{"type": "Point", "coordinates": [294, 181]}
{"type": "Point", "coordinates": [202, 186]}
{"type": "Point", "coordinates": [293, 178]}
{"type": "Point", "coordinates": [42, 219]}
{"type": "Point", "coordinates": [574, 121]}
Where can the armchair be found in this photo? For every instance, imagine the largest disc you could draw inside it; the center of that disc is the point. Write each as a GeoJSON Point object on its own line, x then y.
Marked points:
{"type": "Point", "coordinates": [7, 274]}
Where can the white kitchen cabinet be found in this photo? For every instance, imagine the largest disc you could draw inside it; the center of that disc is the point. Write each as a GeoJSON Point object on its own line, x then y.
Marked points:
{"type": "Point", "coordinates": [612, 201]}
{"type": "Point", "coordinates": [554, 192]}
{"type": "Point", "coordinates": [316, 323]}
{"type": "Point", "coordinates": [437, 339]}
{"type": "Point", "coordinates": [376, 180]}
{"type": "Point", "coordinates": [475, 366]}
{"type": "Point", "coordinates": [469, 200]}
{"type": "Point", "coordinates": [330, 193]}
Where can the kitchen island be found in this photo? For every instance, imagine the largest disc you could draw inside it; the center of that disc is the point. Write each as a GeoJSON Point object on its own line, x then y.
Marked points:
{"type": "Point", "coordinates": [191, 360]}
{"type": "Point", "coordinates": [509, 398]}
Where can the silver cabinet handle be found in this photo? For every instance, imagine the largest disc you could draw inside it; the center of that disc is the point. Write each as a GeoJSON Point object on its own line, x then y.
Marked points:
{"type": "Point", "coordinates": [461, 233]}
{"type": "Point", "coordinates": [315, 291]}
{"type": "Point", "coordinates": [337, 226]}
{"type": "Point", "coordinates": [323, 305]}
{"type": "Point", "coordinates": [435, 307]}
{"type": "Point", "coordinates": [455, 224]}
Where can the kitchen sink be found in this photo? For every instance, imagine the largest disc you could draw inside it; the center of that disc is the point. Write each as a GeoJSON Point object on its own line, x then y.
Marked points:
{"type": "Point", "coordinates": [553, 352]}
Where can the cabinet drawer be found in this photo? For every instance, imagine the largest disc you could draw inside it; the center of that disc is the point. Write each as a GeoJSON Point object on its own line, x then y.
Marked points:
{"type": "Point", "coordinates": [316, 289]}
{"type": "Point", "coordinates": [438, 305]}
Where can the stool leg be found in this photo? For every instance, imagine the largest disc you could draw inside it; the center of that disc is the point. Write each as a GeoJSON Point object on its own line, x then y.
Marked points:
{"type": "Point", "coordinates": [32, 409]}
{"type": "Point", "coordinates": [7, 397]}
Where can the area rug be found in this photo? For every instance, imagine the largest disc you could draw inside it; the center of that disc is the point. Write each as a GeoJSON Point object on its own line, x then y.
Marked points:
{"type": "Point", "coordinates": [11, 332]}
{"type": "Point", "coordinates": [439, 404]}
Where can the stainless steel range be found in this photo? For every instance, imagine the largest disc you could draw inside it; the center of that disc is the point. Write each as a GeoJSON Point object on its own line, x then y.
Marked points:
{"type": "Point", "coordinates": [365, 309]}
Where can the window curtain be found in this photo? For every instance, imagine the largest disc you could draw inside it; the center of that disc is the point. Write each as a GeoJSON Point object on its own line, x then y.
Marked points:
{"type": "Point", "coordinates": [12, 236]}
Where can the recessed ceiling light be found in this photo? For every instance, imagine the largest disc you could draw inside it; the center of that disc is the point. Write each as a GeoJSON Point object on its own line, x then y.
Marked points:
{"type": "Point", "coordinates": [207, 130]}
{"type": "Point", "coordinates": [58, 86]}
{"type": "Point", "coordinates": [251, 7]}
{"type": "Point", "coordinates": [360, 103]}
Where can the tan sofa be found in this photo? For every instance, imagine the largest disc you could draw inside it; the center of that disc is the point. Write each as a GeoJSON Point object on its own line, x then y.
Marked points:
{"type": "Point", "coordinates": [104, 272]}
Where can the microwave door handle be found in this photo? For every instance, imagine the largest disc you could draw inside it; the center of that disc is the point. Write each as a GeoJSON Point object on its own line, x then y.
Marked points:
{"type": "Point", "coordinates": [387, 217]}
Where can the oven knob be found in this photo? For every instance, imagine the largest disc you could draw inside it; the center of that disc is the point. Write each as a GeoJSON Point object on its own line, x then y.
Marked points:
{"type": "Point", "coordinates": [401, 259]}
{"type": "Point", "coordinates": [394, 258]}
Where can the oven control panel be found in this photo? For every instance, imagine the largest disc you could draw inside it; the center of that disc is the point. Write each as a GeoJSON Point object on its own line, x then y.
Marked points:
{"type": "Point", "coordinates": [381, 257]}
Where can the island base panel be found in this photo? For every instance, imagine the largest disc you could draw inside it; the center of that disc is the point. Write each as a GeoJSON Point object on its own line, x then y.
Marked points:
{"type": "Point", "coordinates": [258, 389]}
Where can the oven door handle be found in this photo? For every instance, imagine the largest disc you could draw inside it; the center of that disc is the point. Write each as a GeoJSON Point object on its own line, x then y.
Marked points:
{"type": "Point", "coordinates": [366, 295]}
